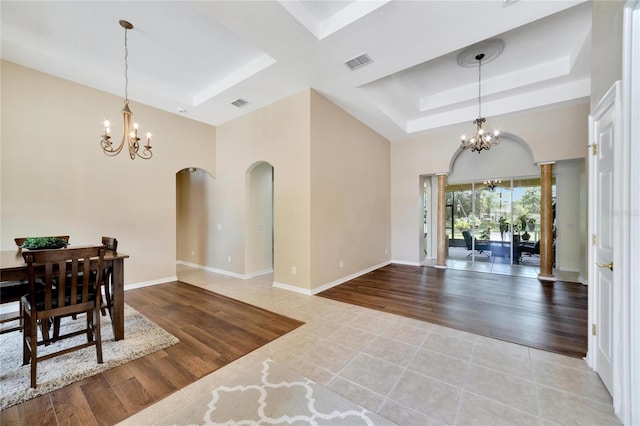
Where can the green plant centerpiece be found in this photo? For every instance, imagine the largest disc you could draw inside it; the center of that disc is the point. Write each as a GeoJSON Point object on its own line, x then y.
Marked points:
{"type": "Point", "coordinates": [44, 243]}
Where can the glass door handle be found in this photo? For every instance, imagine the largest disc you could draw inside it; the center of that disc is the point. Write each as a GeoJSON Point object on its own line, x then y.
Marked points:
{"type": "Point", "coordinates": [605, 265]}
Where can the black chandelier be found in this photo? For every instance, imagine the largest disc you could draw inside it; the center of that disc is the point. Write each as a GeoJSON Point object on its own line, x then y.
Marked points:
{"type": "Point", "coordinates": [491, 184]}
{"type": "Point", "coordinates": [481, 140]}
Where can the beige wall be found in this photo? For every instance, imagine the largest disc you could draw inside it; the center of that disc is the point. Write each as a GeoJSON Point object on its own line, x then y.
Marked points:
{"type": "Point", "coordinates": [331, 189]}
{"type": "Point", "coordinates": [279, 135]}
{"type": "Point", "coordinates": [606, 46]}
{"type": "Point", "coordinates": [56, 180]}
{"type": "Point", "coordinates": [350, 194]}
{"type": "Point", "coordinates": [552, 135]}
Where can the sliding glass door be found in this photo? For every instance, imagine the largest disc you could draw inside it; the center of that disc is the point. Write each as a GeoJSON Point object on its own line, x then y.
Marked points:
{"type": "Point", "coordinates": [491, 220]}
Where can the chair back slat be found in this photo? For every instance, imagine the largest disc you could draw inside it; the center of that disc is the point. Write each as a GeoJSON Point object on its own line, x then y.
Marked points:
{"type": "Point", "coordinates": [71, 274]}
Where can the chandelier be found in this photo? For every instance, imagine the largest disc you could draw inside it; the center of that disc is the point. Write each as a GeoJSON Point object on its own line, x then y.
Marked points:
{"type": "Point", "coordinates": [491, 184]}
{"type": "Point", "coordinates": [480, 140]}
{"type": "Point", "coordinates": [129, 133]}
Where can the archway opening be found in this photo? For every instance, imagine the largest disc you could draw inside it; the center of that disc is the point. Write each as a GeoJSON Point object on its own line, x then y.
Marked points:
{"type": "Point", "coordinates": [259, 236]}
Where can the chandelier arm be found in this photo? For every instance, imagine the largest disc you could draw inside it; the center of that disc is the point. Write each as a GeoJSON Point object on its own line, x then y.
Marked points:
{"type": "Point", "coordinates": [108, 149]}
{"type": "Point", "coordinates": [146, 153]}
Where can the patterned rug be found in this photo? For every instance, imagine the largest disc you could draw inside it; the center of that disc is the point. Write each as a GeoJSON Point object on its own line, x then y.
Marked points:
{"type": "Point", "coordinates": [269, 393]}
{"type": "Point", "coordinates": [142, 337]}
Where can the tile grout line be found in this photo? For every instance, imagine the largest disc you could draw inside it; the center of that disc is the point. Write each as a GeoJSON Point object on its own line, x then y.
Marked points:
{"type": "Point", "coordinates": [466, 380]}
{"type": "Point", "coordinates": [402, 373]}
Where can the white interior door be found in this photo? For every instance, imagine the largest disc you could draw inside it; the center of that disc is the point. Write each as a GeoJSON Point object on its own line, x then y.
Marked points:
{"type": "Point", "coordinates": [603, 134]}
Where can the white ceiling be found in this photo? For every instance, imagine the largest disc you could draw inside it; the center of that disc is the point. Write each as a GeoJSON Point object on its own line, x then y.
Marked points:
{"type": "Point", "coordinates": [199, 56]}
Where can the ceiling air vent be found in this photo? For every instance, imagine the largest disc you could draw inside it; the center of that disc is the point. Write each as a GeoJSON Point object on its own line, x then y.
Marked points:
{"type": "Point", "coordinates": [358, 61]}
{"type": "Point", "coordinates": [239, 103]}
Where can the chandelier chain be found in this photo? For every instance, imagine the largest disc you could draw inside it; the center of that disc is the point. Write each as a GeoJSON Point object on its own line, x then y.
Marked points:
{"type": "Point", "coordinates": [126, 67]}
{"type": "Point", "coordinates": [480, 87]}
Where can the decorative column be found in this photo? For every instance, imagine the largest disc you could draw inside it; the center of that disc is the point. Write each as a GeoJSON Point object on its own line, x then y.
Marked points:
{"type": "Point", "coordinates": [546, 223]}
{"type": "Point", "coordinates": [441, 257]}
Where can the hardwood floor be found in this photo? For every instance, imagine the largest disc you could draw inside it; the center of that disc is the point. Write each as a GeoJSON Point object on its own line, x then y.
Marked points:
{"type": "Point", "coordinates": [213, 330]}
{"type": "Point", "coordinates": [544, 315]}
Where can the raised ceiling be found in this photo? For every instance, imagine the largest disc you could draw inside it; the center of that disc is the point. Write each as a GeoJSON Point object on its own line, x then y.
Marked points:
{"type": "Point", "coordinates": [199, 56]}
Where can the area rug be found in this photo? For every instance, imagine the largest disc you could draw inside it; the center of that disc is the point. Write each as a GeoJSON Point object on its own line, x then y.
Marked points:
{"type": "Point", "coordinates": [269, 393]}
{"type": "Point", "coordinates": [142, 337]}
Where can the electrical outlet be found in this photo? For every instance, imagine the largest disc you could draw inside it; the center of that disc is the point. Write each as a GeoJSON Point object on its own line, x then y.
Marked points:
{"type": "Point", "coordinates": [193, 252]}
{"type": "Point", "coordinates": [219, 226]}
{"type": "Point", "coordinates": [293, 270]}
{"type": "Point", "coordinates": [229, 259]}
{"type": "Point", "coordinates": [341, 263]}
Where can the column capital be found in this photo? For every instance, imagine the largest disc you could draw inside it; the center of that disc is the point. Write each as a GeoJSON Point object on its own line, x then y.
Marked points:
{"type": "Point", "coordinates": [442, 174]}
{"type": "Point", "coordinates": [543, 163]}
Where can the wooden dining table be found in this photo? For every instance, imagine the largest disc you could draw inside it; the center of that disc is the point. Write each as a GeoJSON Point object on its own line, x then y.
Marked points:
{"type": "Point", "coordinates": [13, 267]}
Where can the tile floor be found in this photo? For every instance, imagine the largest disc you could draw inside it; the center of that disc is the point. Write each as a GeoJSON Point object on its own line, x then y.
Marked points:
{"type": "Point", "coordinates": [408, 371]}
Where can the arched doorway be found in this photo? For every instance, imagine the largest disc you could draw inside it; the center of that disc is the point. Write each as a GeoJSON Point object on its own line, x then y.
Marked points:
{"type": "Point", "coordinates": [194, 187]}
{"type": "Point", "coordinates": [259, 247]}
{"type": "Point", "coordinates": [492, 204]}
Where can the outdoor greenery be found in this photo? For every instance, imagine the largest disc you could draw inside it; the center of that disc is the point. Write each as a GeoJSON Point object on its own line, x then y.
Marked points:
{"type": "Point", "coordinates": [493, 210]}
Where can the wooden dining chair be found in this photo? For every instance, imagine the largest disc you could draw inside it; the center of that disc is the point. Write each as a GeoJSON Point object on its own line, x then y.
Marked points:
{"type": "Point", "coordinates": [12, 291]}
{"type": "Point", "coordinates": [112, 245]}
{"type": "Point", "coordinates": [79, 295]}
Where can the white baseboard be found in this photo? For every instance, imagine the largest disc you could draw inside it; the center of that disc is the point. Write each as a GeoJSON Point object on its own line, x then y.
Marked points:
{"type": "Point", "coordinates": [216, 270]}
{"type": "Point", "coordinates": [583, 280]}
{"type": "Point", "coordinates": [403, 262]}
{"type": "Point", "coordinates": [150, 283]}
{"type": "Point", "coordinates": [311, 292]}
{"type": "Point", "coordinates": [293, 288]}
{"type": "Point", "coordinates": [258, 273]}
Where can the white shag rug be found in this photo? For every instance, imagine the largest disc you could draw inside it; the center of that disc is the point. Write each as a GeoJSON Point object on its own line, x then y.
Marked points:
{"type": "Point", "coordinates": [142, 337]}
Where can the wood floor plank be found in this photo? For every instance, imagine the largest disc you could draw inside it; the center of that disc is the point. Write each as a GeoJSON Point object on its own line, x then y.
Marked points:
{"type": "Point", "coordinates": [213, 331]}
{"type": "Point", "coordinates": [546, 315]}
{"type": "Point", "coordinates": [37, 411]}
{"type": "Point", "coordinates": [69, 403]}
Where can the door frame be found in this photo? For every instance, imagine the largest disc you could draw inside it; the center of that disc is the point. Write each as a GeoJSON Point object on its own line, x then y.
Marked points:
{"type": "Point", "coordinates": [626, 370]}
{"type": "Point", "coordinates": [609, 104]}
{"type": "Point", "coordinates": [627, 406]}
